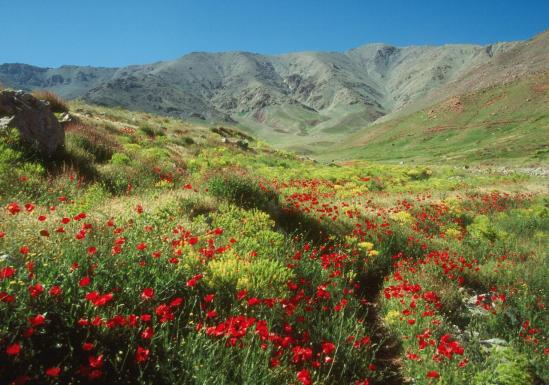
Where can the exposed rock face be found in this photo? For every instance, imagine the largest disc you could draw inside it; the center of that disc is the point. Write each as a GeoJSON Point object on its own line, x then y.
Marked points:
{"type": "Point", "coordinates": [33, 118]}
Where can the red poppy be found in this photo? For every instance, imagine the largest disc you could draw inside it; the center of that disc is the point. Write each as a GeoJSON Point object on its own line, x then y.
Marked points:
{"type": "Point", "coordinates": [328, 347]}
{"type": "Point", "coordinates": [208, 298]}
{"type": "Point", "coordinates": [433, 374]}
{"type": "Point", "coordinates": [55, 291]}
{"type": "Point", "coordinates": [141, 355]}
{"type": "Point", "coordinates": [147, 293]}
{"type": "Point", "coordinates": [97, 299]}
{"type": "Point", "coordinates": [36, 289]}
{"type": "Point", "coordinates": [53, 371]}
{"type": "Point", "coordinates": [13, 349]}
{"type": "Point", "coordinates": [194, 280]}
{"type": "Point", "coordinates": [7, 272]}
{"type": "Point", "coordinates": [304, 377]}
{"type": "Point", "coordinates": [148, 333]}
{"type": "Point", "coordinates": [211, 314]}
{"type": "Point", "coordinates": [87, 346]}
{"type": "Point", "coordinates": [37, 320]}
{"type": "Point", "coordinates": [13, 208]}
{"type": "Point", "coordinates": [96, 361]}
{"type": "Point", "coordinates": [84, 281]}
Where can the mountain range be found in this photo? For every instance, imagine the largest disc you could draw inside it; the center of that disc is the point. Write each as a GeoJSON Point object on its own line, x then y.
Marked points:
{"type": "Point", "coordinates": [298, 98]}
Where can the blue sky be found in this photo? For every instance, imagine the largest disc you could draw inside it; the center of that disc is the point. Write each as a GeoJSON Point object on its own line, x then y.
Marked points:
{"type": "Point", "coordinates": [120, 32]}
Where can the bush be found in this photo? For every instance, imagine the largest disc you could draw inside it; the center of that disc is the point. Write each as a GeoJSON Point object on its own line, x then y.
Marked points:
{"type": "Point", "coordinates": [150, 131]}
{"type": "Point", "coordinates": [56, 103]}
{"type": "Point", "coordinates": [243, 191]}
{"type": "Point", "coordinates": [187, 141]}
{"type": "Point", "coordinates": [505, 367]}
{"type": "Point", "coordinates": [93, 149]}
{"type": "Point", "coordinates": [120, 159]}
{"type": "Point", "coordinates": [262, 277]}
{"type": "Point", "coordinates": [419, 174]}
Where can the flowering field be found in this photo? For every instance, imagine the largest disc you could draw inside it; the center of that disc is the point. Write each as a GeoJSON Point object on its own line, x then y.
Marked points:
{"type": "Point", "coordinates": [151, 252]}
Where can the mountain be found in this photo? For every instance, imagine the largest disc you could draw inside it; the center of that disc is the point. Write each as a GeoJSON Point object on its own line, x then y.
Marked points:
{"type": "Point", "coordinates": [504, 124]}
{"type": "Point", "coordinates": [299, 100]}
{"type": "Point", "coordinates": [68, 81]}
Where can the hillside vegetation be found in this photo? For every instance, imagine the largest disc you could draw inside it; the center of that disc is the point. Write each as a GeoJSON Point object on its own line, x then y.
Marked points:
{"type": "Point", "coordinates": [502, 125]}
{"type": "Point", "coordinates": [156, 251]}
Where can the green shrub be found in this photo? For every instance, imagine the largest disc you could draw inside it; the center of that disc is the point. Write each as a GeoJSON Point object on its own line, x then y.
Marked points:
{"type": "Point", "coordinates": [505, 366]}
{"type": "Point", "coordinates": [483, 228]}
{"type": "Point", "coordinates": [116, 178]}
{"type": "Point", "coordinates": [150, 131]}
{"type": "Point", "coordinates": [94, 150]}
{"type": "Point", "coordinates": [120, 159]}
{"type": "Point", "coordinates": [241, 190]}
{"type": "Point", "coordinates": [419, 173]}
{"type": "Point", "coordinates": [186, 141]}
{"type": "Point", "coordinates": [262, 277]}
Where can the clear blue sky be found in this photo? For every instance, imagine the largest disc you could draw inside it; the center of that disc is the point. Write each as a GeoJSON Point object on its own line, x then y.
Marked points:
{"type": "Point", "coordinates": [121, 32]}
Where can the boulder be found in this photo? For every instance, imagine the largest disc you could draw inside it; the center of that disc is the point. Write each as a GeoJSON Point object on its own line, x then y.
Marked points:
{"type": "Point", "coordinates": [66, 119]}
{"type": "Point", "coordinates": [34, 120]}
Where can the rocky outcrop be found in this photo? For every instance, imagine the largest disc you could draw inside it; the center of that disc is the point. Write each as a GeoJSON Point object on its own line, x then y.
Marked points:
{"type": "Point", "coordinates": [34, 120]}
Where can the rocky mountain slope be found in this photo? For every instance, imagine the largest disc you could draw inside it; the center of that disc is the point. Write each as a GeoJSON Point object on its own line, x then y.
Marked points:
{"type": "Point", "coordinates": [297, 98]}
{"type": "Point", "coordinates": [505, 124]}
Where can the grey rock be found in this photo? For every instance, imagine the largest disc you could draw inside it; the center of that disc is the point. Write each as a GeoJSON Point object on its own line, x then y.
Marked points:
{"type": "Point", "coordinates": [66, 119]}
{"type": "Point", "coordinates": [34, 120]}
{"type": "Point", "coordinates": [494, 342]}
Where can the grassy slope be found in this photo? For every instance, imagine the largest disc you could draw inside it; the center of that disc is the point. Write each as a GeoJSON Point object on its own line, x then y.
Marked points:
{"type": "Point", "coordinates": [508, 124]}
{"type": "Point", "coordinates": [410, 210]}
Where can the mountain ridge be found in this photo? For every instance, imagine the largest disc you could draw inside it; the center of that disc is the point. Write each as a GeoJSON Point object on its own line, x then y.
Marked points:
{"type": "Point", "coordinates": [298, 96]}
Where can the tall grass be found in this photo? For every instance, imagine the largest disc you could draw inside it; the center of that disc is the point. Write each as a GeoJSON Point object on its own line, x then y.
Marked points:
{"type": "Point", "coordinates": [57, 104]}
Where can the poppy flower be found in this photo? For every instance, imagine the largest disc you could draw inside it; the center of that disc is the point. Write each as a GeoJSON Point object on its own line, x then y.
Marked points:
{"type": "Point", "coordinates": [147, 293]}
{"type": "Point", "coordinates": [7, 272]}
{"type": "Point", "coordinates": [13, 208]}
{"type": "Point", "coordinates": [328, 347]}
{"type": "Point", "coordinates": [13, 349]}
{"type": "Point", "coordinates": [5, 297]}
{"type": "Point", "coordinates": [53, 371]}
{"type": "Point", "coordinates": [87, 346]}
{"type": "Point", "coordinates": [96, 361]}
{"type": "Point", "coordinates": [433, 374]}
{"type": "Point", "coordinates": [55, 291]}
{"type": "Point", "coordinates": [304, 377]}
{"type": "Point", "coordinates": [97, 299]}
{"type": "Point", "coordinates": [194, 280]}
{"type": "Point", "coordinates": [148, 333]}
{"type": "Point", "coordinates": [84, 281]}
{"type": "Point", "coordinates": [36, 289]}
{"type": "Point", "coordinates": [141, 355]}
{"type": "Point", "coordinates": [37, 320]}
